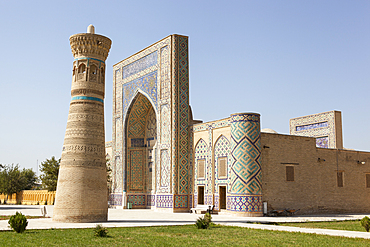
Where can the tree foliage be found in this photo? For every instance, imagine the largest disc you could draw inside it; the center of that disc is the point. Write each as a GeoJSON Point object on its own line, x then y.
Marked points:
{"type": "Point", "coordinates": [14, 180]}
{"type": "Point", "coordinates": [50, 170]}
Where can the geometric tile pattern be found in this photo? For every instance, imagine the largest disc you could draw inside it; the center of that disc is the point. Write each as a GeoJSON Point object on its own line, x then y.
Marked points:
{"type": "Point", "coordinates": [137, 117]}
{"type": "Point", "coordinates": [151, 124]}
{"type": "Point", "coordinates": [208, 199]}
{"type": "Point", "coordinates": [165, 171]}
{"type": "Point", "coordinates": [115, 199]}
{"type": "Point", "coordinates": [246, 175]}
{"type": "Point", "coordinates": [183, 114]}
{"type": "Point", "coordinates": [222, 149]}
{"type": "Point", "coordinates": [165, 73]}
{"type": "Point", "coordinates": [201, 153]}
{"type": "Point", "coordinates": [180, 102]}
{"type": "Point", "coordinates": [217, 202]}
{"type": "Point", "coordinates": [174, 114]}
{"type": "Point", "coordinates": [158, 77]}
{"type": "Point", "coordinates": [321, 125]}
{"type": "Point", "coordinates": [136, 74]}
{"type": "Point", "coordinates": [165, 124]}
{"type": "Point", "coordinates": [322, 142]}
{"type": "Point", "coordinates": [181, 201]}
{"type": "Point", "coordinates": [244, 203]}
{"type": "Point", "coordinates": [136, 170]}
{"type": "Point", "coordinates": [139, 65]}
{"type": "Point", "coordinates": [164, 201]}
{"type": "Point", "coordinates": [312, 126]}
{"type": "Point", "coordinates": [150, 200]}
{"type": "Point", "coordinates": [136, 200]}
{"type": "Point", "coordinates": [147, 83]}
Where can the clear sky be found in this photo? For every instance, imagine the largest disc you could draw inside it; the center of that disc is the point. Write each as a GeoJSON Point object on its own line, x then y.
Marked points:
{"type": "Point", "coordinates": [282, 59]}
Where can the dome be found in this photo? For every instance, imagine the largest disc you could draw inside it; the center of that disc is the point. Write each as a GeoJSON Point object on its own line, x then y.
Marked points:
{"type": "Point", "coordinates": [267, 130]}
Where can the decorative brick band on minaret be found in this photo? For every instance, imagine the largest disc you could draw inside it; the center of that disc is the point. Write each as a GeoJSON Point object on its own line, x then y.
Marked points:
{"type": "Point", "coordinates": [245, 188]}
{"type": "Point", "coordinates": [82, 184]}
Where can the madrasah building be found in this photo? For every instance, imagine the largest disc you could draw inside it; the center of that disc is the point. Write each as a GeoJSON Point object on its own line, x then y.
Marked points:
{"type": "Point", "coordinates": [163, 159]}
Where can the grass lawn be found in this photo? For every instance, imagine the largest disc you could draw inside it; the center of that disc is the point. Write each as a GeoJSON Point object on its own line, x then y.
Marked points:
{"type": "Point", "coordinates": [348, 225]}
{"type": "Point", "coordinates": [173, 236]}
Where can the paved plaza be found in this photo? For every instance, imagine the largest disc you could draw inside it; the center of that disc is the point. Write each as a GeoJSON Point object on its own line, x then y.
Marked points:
{"type": "Point", "coordinates": [147, 217]}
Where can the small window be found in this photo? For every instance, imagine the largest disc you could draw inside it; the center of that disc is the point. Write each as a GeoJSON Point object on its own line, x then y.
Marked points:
{"type": "Point", "coordinates": [289, 173]}
{"type": "Point", "coordinates": [368, 180]}
{"type": "Point", "coordinates": [340, 179]}
{"type": "Point", "coordinates": [201, 168]}
{"type": "Point", "coordinates": [222, 167]}
{"type": "Point", "coordinates": [82, 69]}
{"type": "Point", "coordinates": [94, 69]}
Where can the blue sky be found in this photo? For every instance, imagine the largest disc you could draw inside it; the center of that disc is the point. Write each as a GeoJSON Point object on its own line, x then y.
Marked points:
{"type": "Point", "coordinates": [282, 59]}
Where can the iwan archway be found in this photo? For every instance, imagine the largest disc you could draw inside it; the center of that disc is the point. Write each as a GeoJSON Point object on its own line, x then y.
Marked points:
{"type": "Point", "coordinates": [151, 134]}
{"type": "Point", "coordinates": [141, 139]}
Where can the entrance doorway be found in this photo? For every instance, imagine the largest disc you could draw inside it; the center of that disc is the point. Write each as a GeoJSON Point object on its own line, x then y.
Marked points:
{"type": "Point", "coordinates": [222, 197]}
{"type": "Point", "coordinates": [201, 195]}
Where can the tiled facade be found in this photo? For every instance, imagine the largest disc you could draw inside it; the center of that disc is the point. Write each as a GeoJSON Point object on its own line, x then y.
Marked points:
{"type": "Point", "coordinates": [326, 127]}
{"type": "Point", "coordinates": [164, 160]}
{"type": "Point", "coordinates": [151, 135]}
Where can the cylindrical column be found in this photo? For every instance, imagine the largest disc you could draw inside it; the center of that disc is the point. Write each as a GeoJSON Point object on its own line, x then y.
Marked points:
{"type": "Point", "coordinates": [82, 183]}
{"type": "Point", "coordinates": [245, 186]}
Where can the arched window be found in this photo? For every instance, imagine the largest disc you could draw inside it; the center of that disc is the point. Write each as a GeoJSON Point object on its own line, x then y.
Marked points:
{"type": "Point", "coordinates": [82, 69]}
{"type": "Point", "coordinates": [93, 72]}
{"type": "Point", "coordinates": [81, 72]}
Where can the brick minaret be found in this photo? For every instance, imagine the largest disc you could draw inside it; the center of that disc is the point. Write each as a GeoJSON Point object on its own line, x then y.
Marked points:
{"type": "Point", "coordinates": [82, 184]}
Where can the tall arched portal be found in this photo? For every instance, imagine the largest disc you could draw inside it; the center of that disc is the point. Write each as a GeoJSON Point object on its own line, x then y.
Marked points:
{"type": "Point", "coordinates": [152, 167]}
{"type": "Point", "coordinates": [141, 138]}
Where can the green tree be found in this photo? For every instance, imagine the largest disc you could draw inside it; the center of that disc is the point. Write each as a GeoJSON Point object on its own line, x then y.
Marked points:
{"type": "Point", "coordinates": [28, 178]}
{"type": "Point", "coordinates": [50, 170]}
{"type": "Point", "coordinates": [14, 180]}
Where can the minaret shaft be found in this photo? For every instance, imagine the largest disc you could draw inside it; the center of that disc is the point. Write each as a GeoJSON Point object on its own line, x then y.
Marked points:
{"type": "Point", "coordinates": [82, 183]}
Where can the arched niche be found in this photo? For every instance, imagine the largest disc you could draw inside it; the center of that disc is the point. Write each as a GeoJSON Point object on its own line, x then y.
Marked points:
{"type": "Point", "coordinates": [141, 139]}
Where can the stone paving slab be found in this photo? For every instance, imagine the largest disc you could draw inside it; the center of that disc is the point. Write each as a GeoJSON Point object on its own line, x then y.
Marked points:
{"type": "Point", "coordinates": [147, 217]}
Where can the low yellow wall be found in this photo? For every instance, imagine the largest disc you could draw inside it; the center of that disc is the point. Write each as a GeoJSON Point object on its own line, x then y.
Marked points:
{"type": "Point", "coordinates": [30, 197]}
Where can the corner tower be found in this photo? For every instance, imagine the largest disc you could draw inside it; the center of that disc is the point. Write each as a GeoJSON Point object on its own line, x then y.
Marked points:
{"type": "Point", "coordinates": [245, 187]}
{"type": "Point", "coordinates": [82, 184]}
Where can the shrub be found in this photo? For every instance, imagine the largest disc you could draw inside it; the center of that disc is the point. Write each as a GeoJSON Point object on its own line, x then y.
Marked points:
{"type": "Point", "coordinates": [204, 222]}
{"type": "Point", "coordinates": [365, 222]}
{"type": "Point", "coordinates": [100, 231]}
{"type": "Point", "coordinates": [18, 222]}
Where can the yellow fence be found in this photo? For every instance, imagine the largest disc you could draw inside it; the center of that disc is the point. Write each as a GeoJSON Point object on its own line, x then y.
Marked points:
{"type": "Point", "coordinates": [30, 197]}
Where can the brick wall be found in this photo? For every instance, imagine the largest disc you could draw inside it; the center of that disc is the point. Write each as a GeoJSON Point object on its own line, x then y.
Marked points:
{"type": "Point", "coordinates": [315, 188]}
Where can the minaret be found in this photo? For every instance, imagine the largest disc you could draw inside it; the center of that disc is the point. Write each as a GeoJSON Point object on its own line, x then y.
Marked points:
{"type": "Point", "coordinates": [82, 194]}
